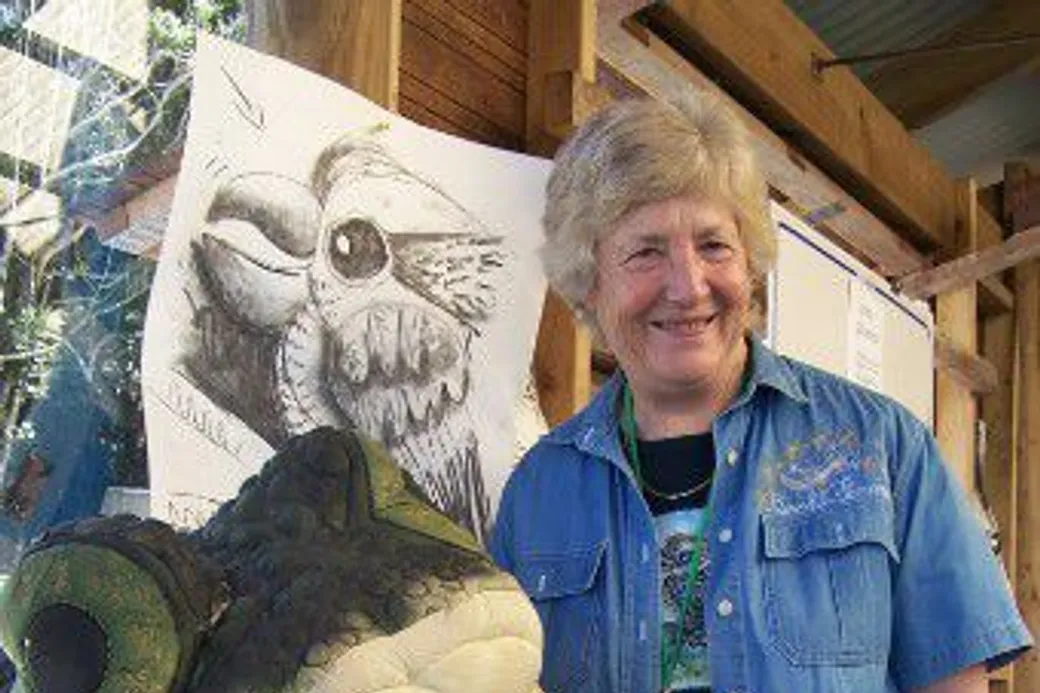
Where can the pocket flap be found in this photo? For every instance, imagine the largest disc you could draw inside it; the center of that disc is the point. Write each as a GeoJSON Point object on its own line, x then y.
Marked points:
{"type": "Point", "coordinates": [551, 576]}
{"type": "Point", "coordinates": [793, 536]}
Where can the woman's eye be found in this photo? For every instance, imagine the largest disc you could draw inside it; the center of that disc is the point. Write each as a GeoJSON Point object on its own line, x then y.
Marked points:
{"type": "Point", "coordinates": [716, 249]}
{"type": "Point", "coordinates": [643, 254]}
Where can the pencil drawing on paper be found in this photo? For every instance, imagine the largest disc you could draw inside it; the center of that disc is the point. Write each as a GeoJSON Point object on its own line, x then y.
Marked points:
{"type": "Point", "coordinates": [351, 299]}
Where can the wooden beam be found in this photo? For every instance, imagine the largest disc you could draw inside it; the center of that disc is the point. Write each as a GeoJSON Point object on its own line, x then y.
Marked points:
{"type": "Point", "coordinates": [766, 55]}
{"type": "Point", "coordinates": [1023, 196]}
{"type": "Point", "coordinates": [1027, 313]}
{"type": "Point", "coordinates": [956, 322]}
{"type": "Point", "coordinates": [570, 101]}
{"type": "Point", "coordinates": [561, 39]}
{"type": "Point", "coordinates": [995, 297]}
{"type": "Point", "coordinates": [1000, 475]}
{"type": "Point", "coordinates": [974, 372]}
{"type": "Point", "coordinates": [656, 69]}
{"type": "Point", "coordinates": [561, 69]}
{"type": "Point", "coordinates": [920, 89]}
{"type": "Point", "coordinates": [1026, 433]}
{"type": "Point", "coordinates": [356, 43]}
{"type": "Point", "coordinates": [1019, 248]}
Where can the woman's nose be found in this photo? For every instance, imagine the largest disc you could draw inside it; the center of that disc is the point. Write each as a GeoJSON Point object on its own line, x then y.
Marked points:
{"type": "Point", "coordinates": [687, 276]}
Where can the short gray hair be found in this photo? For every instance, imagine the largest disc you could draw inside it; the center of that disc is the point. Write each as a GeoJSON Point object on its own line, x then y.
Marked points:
{"type": "Point", "coordinates": [638, 151]}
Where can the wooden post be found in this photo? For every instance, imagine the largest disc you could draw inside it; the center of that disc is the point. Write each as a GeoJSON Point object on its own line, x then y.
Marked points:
{"type": "Point", "coordinates": [356, 43]}
{"type": "Point", "coordinates": [561, 54]}
{"type": "Point", "coordinates": [1027, 318]}
{"type": "Point", "coordinates": [955, 408]}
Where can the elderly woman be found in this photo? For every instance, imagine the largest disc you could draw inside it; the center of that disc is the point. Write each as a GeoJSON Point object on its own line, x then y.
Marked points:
{"type": "Point", "coordinates": [720, 517]}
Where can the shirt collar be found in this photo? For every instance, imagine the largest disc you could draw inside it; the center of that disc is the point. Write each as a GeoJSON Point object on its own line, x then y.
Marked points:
{"type": "Point", "coordinates": [594, 429]}
{"type": "Point", "coordinates": [769, 368]}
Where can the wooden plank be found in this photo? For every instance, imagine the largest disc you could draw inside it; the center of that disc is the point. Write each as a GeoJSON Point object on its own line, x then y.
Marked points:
{"type": "Point", "coordinates": [766, 55]}
{"type": "Point", "coordinates": [426, 105]}
{"type": "Point", "coordinates": [470, 39]}
{"type": "Point", "coordinates": [1027, 313]}
{"type": "Point", "coordinates": [1000, 480]}
{"type": "Point", "coordinates": [970, 370]}
{"type": "Point", "coordinates": [561, 40]}
{"type": "Point", "coordinates": [1020, 247]}
{"type": "Point", "coordinates": [356, 43]}
{"type": "Point", "coordinates": [1026, 435]}
{"type": "Point", "coordinates": [443, 69]}
{"type": "Point", "coordinates": [955, 406]}
{"type": "Point", "coordinates": [920, 89]}
{"type": "Point", "coordinates": [506, 19]}
{"type": "Point", "coordinates": [656, 69]}
{"type": "Point", "coordinates": [1024, 198]}
{"type": "Point", "coordinates": [994, 297]}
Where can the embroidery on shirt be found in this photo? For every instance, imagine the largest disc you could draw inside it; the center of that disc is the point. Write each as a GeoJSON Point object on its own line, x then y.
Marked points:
{"type": "Point", "coordinates": [828, 469]}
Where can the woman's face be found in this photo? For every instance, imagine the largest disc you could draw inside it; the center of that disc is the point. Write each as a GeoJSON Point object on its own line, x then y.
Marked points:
{"type": "Point", "coordinates": [672, 295]}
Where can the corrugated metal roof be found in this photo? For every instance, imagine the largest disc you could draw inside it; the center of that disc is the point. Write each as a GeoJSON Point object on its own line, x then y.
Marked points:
{"type": "Point", "coordinates": [855, 27]}
{"type": "Point", "coordinates": [999, 124]}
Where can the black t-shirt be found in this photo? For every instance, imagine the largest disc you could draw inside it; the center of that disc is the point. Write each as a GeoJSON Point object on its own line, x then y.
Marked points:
{"type": "Point", "coordinates": [677, 474]}
{"type": "Point", "coordinates": [675, 465]}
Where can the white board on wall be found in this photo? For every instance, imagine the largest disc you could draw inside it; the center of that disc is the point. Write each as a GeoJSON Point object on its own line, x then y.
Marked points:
{"type": "Point", "coordinates": [829, 310]}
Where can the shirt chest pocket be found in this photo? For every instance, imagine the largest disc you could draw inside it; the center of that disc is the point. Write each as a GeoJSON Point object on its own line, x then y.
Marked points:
{"type": "Point", "coordinates": [827, 585]}
{"type": "Point", "coordinates": [566, 591]}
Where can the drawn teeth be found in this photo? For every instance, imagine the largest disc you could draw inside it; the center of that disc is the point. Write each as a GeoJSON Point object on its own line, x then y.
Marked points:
{"type": "Point", "coordinates": [421, 401]}
{"type": "Point", "coordinates": [354, 360]}
{"type": "Point", "coordinates": [412, 327]}
{"type": "Point", "coordinates": [383, 324]}
{"type": "Point", "coordinates": [400, 370]}
{"type": "Point", "coordinates": [456, 382]}
{"type": "Point", "coordinates": [395, 418]}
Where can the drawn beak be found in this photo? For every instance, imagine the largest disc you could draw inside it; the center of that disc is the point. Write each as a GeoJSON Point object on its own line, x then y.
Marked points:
{"type": "Point", "coordinates": [253, 278]}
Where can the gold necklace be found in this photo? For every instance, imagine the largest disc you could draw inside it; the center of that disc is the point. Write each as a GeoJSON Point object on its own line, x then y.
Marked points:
{"type": "Point", "coordinates": [628, 428]}
{"type": "Point", "coordinates": [672, 496]}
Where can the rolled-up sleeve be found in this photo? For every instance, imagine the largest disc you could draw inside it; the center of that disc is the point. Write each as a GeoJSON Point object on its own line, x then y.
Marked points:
{"type": "Point", "coordinates": [953, 606]}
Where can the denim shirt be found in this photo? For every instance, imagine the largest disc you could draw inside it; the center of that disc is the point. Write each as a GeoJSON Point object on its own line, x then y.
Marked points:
{"type": "Point", "coordinates": [844, 554]}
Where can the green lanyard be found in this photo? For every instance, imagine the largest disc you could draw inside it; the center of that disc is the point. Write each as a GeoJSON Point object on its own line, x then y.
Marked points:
{"type": "Point", "coordinates": [670, 648]}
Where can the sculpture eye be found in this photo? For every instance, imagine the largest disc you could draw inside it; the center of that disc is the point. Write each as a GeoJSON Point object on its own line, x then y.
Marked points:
{"type": "Point", "coordinates": [109, 604]}
{"type": "Point", "coordinates": [357, 249]}
{"type": "Point", "coordinates": [66, 650]}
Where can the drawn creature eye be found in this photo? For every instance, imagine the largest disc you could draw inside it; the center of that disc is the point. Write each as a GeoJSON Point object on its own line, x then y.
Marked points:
{"type": "Point", "coordinates": [357, 249]}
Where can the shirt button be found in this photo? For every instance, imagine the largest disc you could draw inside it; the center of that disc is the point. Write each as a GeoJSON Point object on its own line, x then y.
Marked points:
{"type": "Point", "coordinates": [731, 457]}
{"type": "Point", "coordinates": [642, 631]}
{"type": "Point", "coordinates": [724, 608]}
{"type": "Point", "coordinates": [644, 553]}
{"type": "Point", "coordinates": [726, 535]}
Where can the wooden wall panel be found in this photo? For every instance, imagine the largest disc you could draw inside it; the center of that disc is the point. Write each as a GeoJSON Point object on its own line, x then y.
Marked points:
{"type": "Point", "coordinates": [463, 68]}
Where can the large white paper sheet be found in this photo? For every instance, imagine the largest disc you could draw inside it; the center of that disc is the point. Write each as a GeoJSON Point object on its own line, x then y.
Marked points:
{"type": "Point", "coordinates": [330, 263]}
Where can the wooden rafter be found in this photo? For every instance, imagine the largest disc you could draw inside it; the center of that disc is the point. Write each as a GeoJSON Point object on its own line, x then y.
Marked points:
{"type": "Point", "coordinates": [1020, 247]}
{"type": "Point", "coordinates": [920, 89]}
